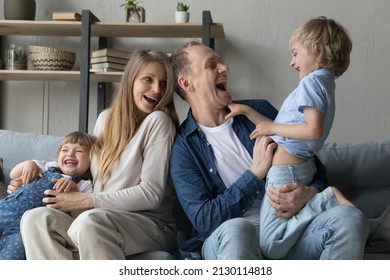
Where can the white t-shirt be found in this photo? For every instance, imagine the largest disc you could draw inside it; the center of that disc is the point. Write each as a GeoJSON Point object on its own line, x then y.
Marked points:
{"type": "Point", "coordinates": [231, 159]}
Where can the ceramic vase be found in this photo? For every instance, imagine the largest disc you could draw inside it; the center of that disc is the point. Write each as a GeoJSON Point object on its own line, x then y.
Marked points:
{"type": "Point", "coordinates": [182, 17]}
{"type": "Point", "coordinates": [19, 9]}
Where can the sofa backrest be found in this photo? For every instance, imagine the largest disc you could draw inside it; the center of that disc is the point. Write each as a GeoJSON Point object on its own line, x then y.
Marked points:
{"type": "Point", "coordinates": [362, 171]}
{"type": "Point", "coordinates": [16, 147]}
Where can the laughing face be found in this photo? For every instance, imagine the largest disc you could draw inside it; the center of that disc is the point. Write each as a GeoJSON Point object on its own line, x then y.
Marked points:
{"type": "Point", "coordinates": [73, 159]}
{"type": "Point", "coordinates": [149, 87]}
{"type": "Point", "coordinates": [208, 77]}
{"type": "Point", "coordinates": [302, 61]}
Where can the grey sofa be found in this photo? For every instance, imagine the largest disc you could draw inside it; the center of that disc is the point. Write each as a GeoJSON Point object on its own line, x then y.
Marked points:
{"type": "Point", "coordinates": [361, 170]}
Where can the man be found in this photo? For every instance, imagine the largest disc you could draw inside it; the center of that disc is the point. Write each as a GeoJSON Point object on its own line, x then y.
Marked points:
{"type": "Point", "coordinates": [218, 174]}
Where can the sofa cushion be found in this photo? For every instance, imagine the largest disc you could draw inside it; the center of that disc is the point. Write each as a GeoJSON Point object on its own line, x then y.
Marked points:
{"type": "Point", "coordinates": [16, 147]}
{"type": "Point", "coordinates": [362, 171]}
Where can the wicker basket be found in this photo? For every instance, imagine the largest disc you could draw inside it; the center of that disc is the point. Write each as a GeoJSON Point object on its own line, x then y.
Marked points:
{"type": "Point", "coordinates": [51, 59]}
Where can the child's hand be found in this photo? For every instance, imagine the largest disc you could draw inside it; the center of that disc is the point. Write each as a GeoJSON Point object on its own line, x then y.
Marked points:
{"type": "Point", "coordinates": [235, 109]}
{"type": "Point", "coordinates": [262, 129]}
{"type": "Point", "coordinates": [30, 171]}
{"type": "Point", "coordinates": [65, 185]}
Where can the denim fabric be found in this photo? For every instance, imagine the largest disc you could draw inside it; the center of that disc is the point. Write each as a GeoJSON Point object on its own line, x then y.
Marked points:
{"type": "Point", "coordinates": [13, 207]}
{"type": "Point", "coordinates": [337, 234]}
{"type": "Point", "coordinates": [204, 197]}
{"type": "Point", "coordinates": [235, 239]}
{"type": "Point", "coordinates": [278, 235]}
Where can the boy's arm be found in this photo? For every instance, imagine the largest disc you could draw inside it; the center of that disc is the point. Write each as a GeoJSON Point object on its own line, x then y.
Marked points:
{"type": "Point", "coordinates": [27, 170]}
{"type": "Point", "coordinates": [242, 109]}
{"type": "Point", "coordinates": [310, 129]}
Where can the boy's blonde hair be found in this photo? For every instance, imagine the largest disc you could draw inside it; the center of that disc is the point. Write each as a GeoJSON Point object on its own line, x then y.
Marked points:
{"type": "Point", "coordinates": [327, 41]}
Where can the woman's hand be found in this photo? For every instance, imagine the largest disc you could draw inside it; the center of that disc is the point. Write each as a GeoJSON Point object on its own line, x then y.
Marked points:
{"type": "Point", "coordinates": [68, 201]}
{"type": "Point", "coordinates": [290, 198]}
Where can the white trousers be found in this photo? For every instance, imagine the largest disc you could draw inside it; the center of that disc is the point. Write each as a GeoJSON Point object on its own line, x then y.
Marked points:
{"type": "Point", "coordinates": [96, 234]}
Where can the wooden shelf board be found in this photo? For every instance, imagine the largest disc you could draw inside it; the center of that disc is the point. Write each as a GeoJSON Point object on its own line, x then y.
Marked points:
{"type": "Point", "coordinates": [41, 28]}
{"type": "Point", "coordinates": [108, 29]}
{"type": "Point", "coordinates": [155, 30]}
{"type": "Point", "coordinates": [71, 76]}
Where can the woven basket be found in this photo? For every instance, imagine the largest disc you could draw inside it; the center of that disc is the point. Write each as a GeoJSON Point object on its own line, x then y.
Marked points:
{"type": "Point", "coordinates": [51, 59]}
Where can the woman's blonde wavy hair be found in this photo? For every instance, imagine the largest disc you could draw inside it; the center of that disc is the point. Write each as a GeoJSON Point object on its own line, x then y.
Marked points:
{"type": "Point", "coordinates": [327, 41]}
{"type": "Point", "coordinates": [123, 117]}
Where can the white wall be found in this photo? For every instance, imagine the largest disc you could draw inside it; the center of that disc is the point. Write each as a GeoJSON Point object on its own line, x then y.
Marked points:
{"type": "Point", "coordinates": [256, 50]}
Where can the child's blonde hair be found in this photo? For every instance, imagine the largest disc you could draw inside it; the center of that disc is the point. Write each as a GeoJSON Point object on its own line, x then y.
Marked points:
{"type": "Point", "coordinates": [327, 41]}
{"type": "Point", "coordinates": [77, 137]}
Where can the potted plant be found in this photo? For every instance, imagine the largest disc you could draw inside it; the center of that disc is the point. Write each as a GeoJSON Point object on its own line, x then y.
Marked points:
{"type": "Point", "coordinates": [19, 9]}
{"type": "Point", "coordinates": [134, 12]}
{"type": "Point", "coordinates": [182, 14]}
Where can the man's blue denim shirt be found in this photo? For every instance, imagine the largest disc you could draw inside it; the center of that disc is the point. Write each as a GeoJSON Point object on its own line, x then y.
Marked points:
{"type": "Point", "coordinates": [202, 194]}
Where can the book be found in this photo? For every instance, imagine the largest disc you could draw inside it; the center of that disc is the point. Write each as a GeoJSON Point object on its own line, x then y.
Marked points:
{"type": "Point", "coordinates": [104, 70]}
{"type": "Point", "coordinates": [66, 16]}
{"type": "Point", "coordinates": [100, 59]}
{"type": "Point", "coordinates": [112, 65]}
{"type": "Point", "coordinates": [111, 53]}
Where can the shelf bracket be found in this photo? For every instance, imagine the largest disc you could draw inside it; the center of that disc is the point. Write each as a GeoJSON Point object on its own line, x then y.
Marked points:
{"type": "Point", "coordinates": [207, 21]}
{"type": "Point", "coordinates": [86, 19]}
{"type": "Point", "coordinates": [102, 87]}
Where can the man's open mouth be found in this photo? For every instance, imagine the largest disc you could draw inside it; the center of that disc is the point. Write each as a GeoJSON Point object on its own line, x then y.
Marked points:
{"type": "Point", "coordinates": [221, 85]}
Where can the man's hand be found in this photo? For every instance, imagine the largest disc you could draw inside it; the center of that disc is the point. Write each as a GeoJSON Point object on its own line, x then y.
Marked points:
{"type": "Point", "coordinates": [290, 198]}
{"type": "Point", "coordinates": [263, 153]}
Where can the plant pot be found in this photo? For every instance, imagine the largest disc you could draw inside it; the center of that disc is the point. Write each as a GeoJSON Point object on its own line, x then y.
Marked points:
{"type": "Point", "coordinates": [135, 14]}
{"type": "Point", "coordinates": [181, 17]}
{"type": "Point", "coordinates": [19, 9]}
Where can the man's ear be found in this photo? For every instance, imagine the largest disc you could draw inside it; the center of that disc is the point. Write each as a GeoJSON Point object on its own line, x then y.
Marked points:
{"type": "Point", "coordinates": [184, 83]}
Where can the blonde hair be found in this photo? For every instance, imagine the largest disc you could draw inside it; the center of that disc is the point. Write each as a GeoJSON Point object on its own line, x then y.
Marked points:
{"type": "Point", "coordinates": [122, 119]}
{"type": "Point", "coordinates": [327, 41]}
{"type": "Point", "coordinates": [77, 137]}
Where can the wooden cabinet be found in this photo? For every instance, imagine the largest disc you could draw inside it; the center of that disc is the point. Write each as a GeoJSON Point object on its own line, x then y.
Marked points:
{"type": "Point", "coordinates": [89, 27]}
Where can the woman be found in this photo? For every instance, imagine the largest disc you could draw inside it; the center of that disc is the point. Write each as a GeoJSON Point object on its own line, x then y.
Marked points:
{"type": "Point", "coordinates": [129, 211]}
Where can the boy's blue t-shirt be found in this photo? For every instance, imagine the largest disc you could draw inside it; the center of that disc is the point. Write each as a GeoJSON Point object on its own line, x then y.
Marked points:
{"type": "Point", "coordinates": [316, 90]}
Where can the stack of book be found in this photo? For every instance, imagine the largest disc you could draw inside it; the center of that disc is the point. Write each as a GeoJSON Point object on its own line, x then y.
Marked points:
{"type": "Point", "coordinates": [105, 60]}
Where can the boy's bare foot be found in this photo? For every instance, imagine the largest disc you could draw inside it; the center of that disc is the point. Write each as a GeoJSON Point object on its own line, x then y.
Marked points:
{"type": "Point", "coordinates": [341, 198]}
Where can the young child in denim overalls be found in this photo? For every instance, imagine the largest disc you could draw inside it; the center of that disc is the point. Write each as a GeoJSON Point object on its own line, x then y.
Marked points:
{"type": "Point", "coordinates": [69, 173]}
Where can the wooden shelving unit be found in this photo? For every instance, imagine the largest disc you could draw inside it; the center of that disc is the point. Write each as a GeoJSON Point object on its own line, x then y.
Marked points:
{"type": "Point", "coordinates": [90, 27]}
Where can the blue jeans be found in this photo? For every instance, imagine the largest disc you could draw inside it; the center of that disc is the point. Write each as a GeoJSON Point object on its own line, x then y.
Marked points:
{"type": "Point", "coordinates": [335, 234]}
{"type": "Point", "coordinates": [339, 233]}
{"type": "Point", "coordinates": [235, 239]}
{"type": "Point", "coordinates": [13, 207]}
{"type": "Point", "coordinates": [279, 235]}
